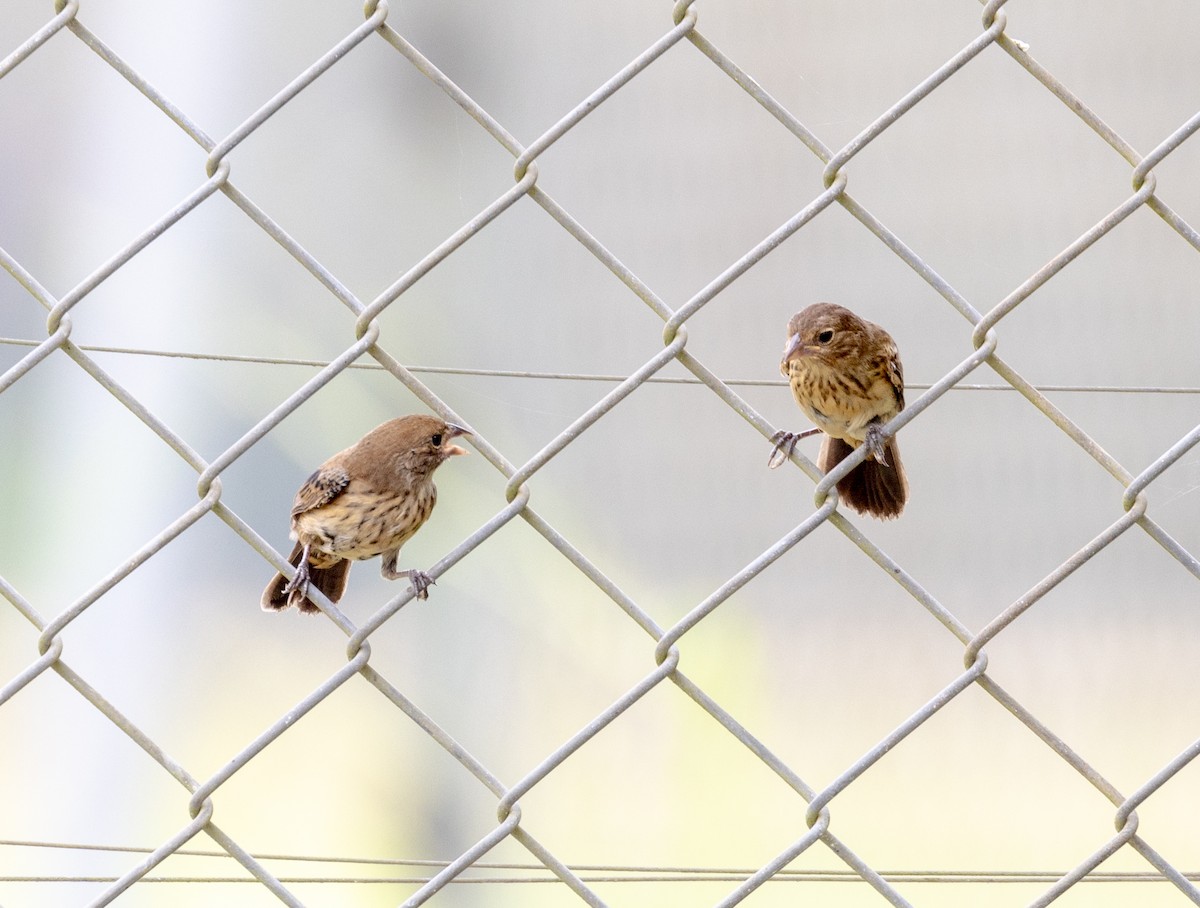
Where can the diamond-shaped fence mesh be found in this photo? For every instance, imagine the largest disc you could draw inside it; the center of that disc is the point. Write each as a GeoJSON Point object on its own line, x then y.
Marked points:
{"type": "Point", "coordinates": [795, 730]}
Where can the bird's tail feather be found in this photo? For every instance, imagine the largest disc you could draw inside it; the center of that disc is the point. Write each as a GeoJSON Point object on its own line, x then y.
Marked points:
{"type": "Point", "coordinates": [329, 580]}
{"type": "Point", "coordinates": [870, 488]}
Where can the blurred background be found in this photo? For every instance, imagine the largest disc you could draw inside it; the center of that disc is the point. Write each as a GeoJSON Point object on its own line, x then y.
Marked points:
{"type": "Point", "coordinates": [679, 174]}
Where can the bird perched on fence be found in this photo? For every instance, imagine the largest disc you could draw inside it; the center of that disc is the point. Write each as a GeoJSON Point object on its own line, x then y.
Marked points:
{"type": "Point", "coordinates": [846, 376]}
{"type": "Point", "coordinates": [365, 501]}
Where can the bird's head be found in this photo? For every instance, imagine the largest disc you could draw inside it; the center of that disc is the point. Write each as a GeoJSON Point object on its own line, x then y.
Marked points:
{"type": "Point", "coordinates": [823, 333]}
{"type": "Point", "coordinates": [418, 443]}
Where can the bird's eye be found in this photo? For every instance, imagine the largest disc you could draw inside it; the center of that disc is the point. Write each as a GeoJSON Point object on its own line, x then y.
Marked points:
{"type": "Point", "coordinates": [825, 336]}
{"type": "Point", "coordinates": [437, 440]}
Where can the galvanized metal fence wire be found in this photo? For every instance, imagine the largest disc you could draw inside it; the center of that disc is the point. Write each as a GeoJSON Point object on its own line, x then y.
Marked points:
{"type": "Point", "coordinates": [681, 34]}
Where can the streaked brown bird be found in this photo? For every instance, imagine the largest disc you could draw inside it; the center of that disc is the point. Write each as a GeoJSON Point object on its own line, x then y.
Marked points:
{"type": "Point", "coordinates": [365, 501]}
{"type": "Point", "coordinates": [846, 376]}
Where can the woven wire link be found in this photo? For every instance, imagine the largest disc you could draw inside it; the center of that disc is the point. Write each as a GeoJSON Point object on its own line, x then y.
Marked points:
{"type": "Point", "coordinates": [680, 35]}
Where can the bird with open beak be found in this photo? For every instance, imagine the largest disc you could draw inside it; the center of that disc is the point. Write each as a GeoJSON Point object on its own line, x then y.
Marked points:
{"type": "Point", "coordinates": [364, 501]}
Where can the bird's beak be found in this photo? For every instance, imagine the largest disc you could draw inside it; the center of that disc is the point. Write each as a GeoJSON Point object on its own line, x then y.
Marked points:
{"type": "Point", "coordinates": [793, 345]}
{"type": "Point", "coordinates": [453, 432]}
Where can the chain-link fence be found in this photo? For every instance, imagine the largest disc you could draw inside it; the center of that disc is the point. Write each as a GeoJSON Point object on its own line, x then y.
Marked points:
{"type": "Point", "coordinates": [536, 804]}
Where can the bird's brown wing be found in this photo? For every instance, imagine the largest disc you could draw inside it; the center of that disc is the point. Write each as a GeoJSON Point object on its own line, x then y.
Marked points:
{"type": "Point", "coordinates": [322, 487]}
{"type": "Point", "coordinates": [895, 376]}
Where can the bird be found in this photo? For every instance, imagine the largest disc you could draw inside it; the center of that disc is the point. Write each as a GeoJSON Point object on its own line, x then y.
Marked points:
{"type": "Point", "coordinates": [845, 374]}
{"type": "Point", "coordinates": [364, 501]}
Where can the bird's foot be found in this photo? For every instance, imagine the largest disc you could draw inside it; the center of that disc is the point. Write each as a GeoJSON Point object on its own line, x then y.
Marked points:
{"type": "Point", "coordinates": [421, 582]}
{"type": "Point", "coordinates": [296, 590]}
{"type": "Point", "coordinates": [875, 444]}
{"type": "Point", "coordinates": [785, 444]}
